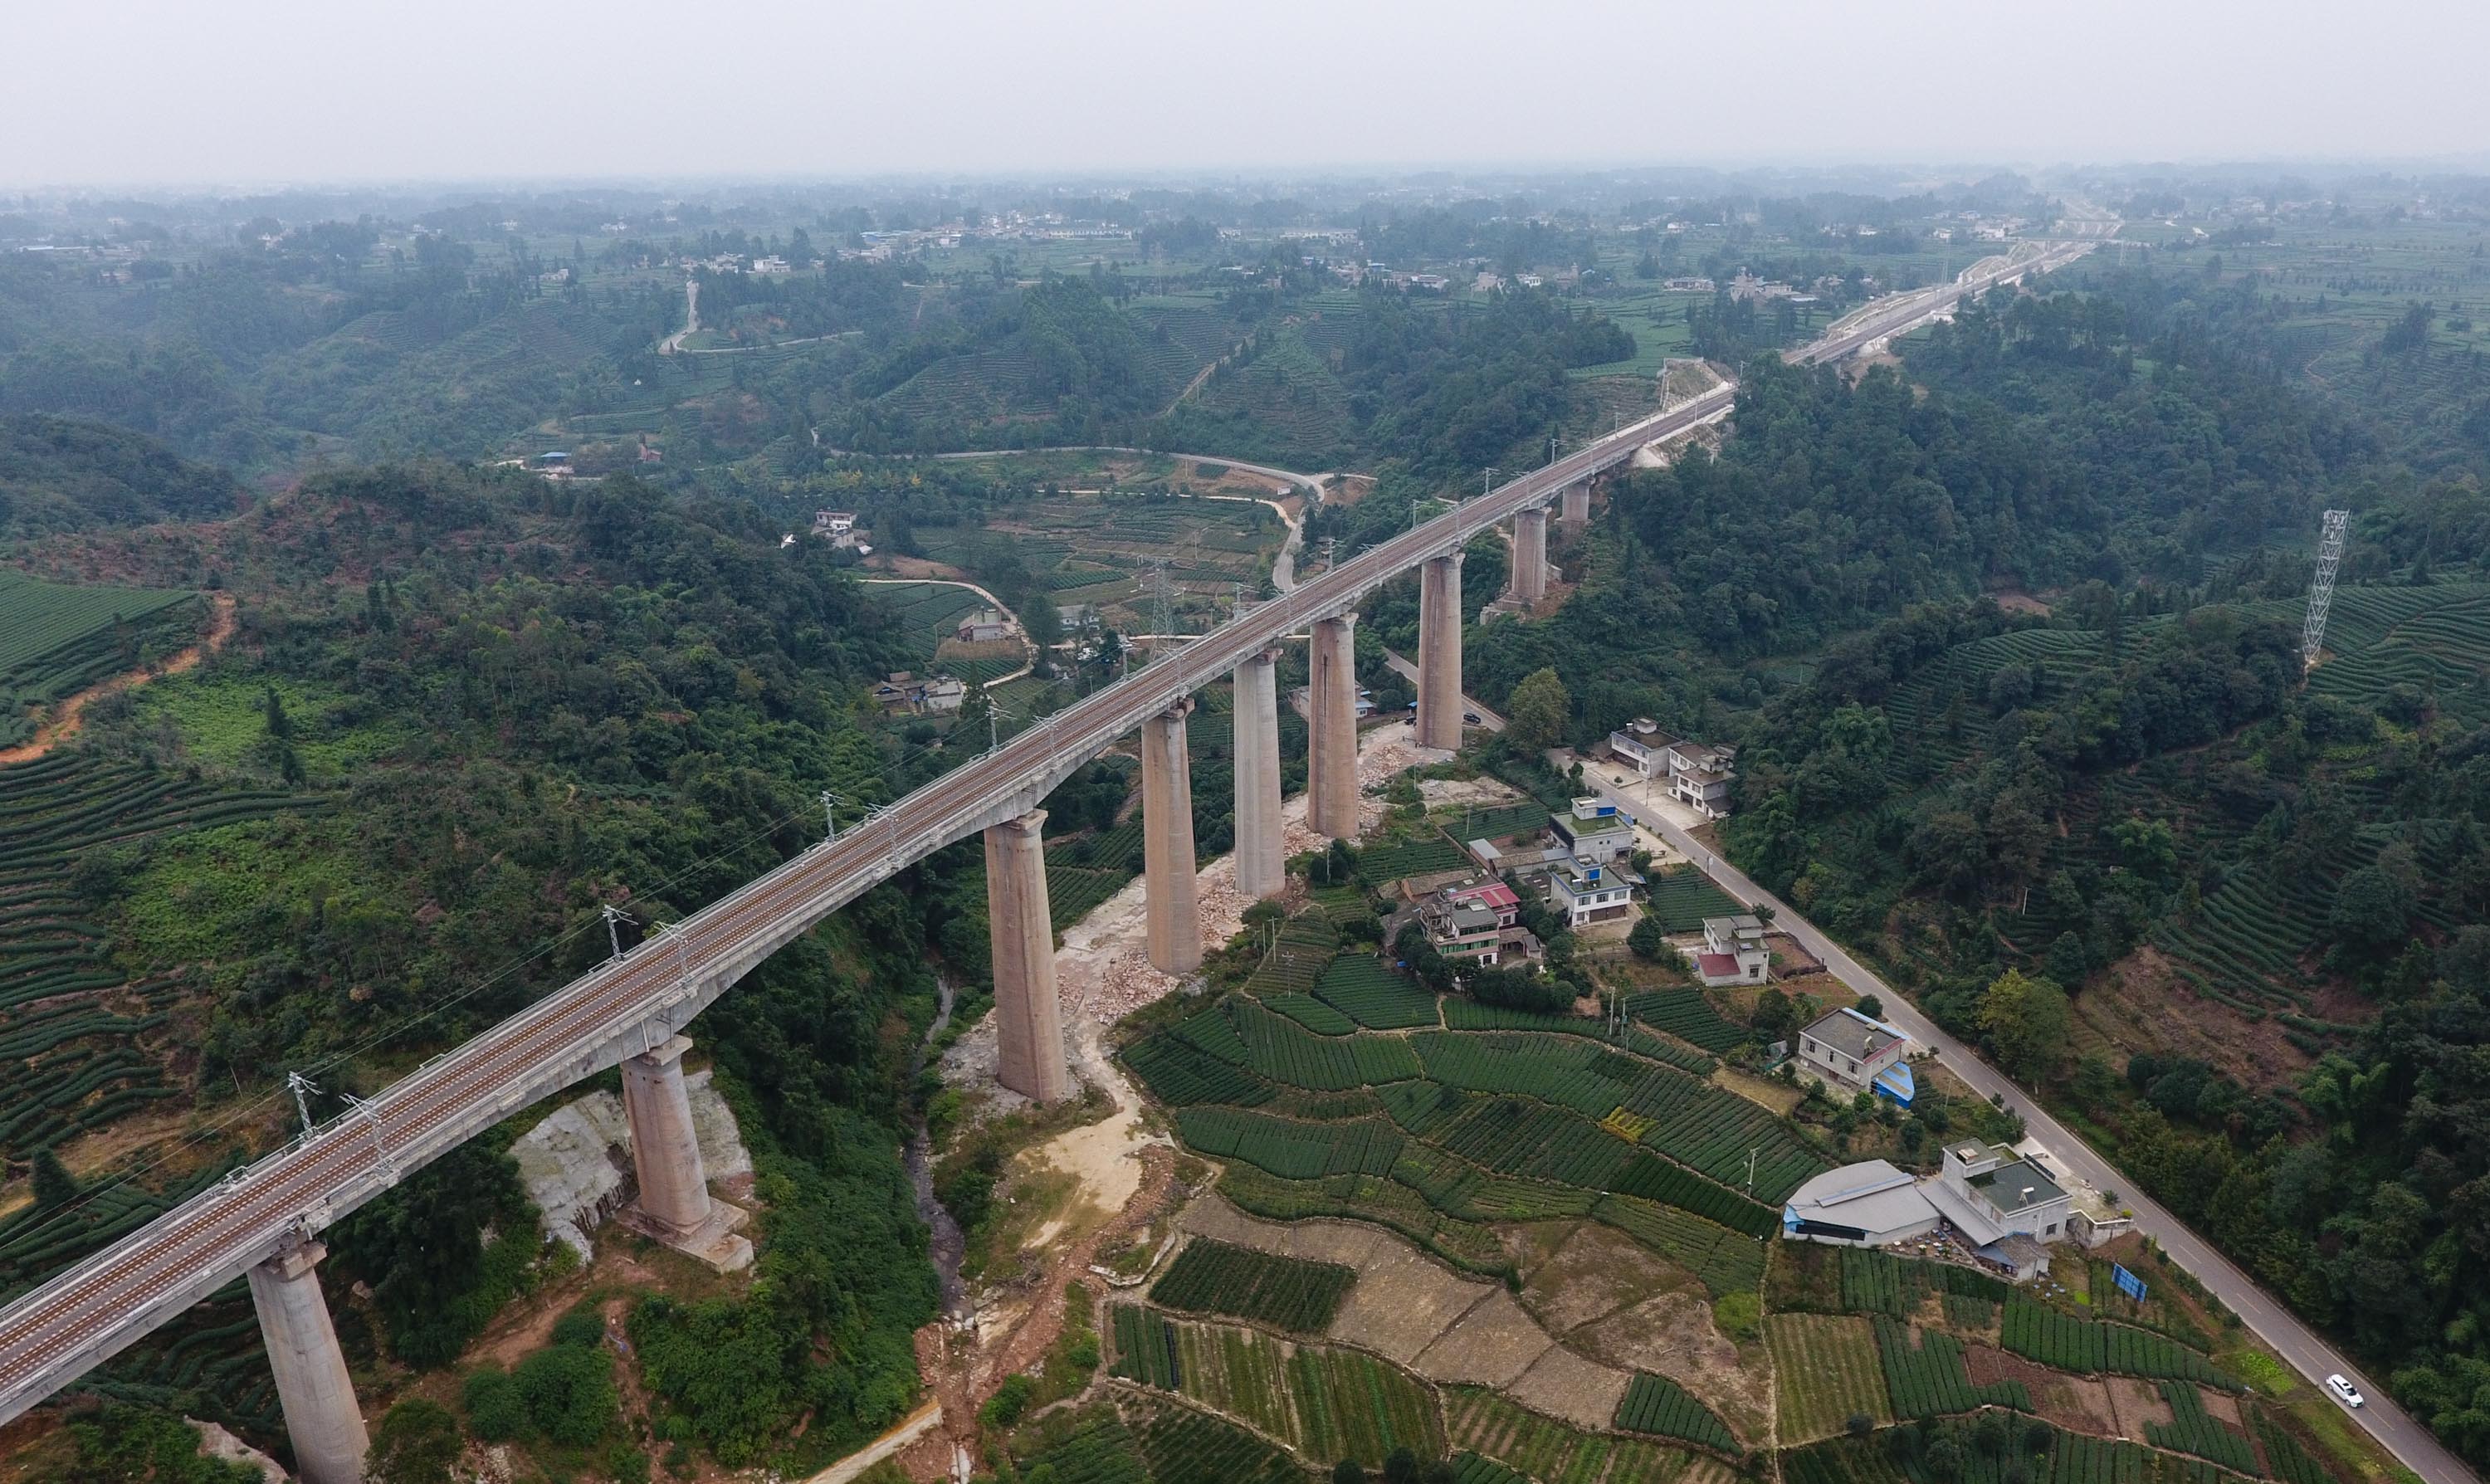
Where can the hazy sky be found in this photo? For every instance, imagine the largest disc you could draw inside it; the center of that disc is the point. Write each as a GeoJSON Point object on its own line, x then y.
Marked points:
{"type": "Point", "coordinates": [294, 91]}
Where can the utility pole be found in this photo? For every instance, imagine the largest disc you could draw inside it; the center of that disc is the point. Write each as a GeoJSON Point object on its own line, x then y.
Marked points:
{"type": "Point", "coordinates": [303, 1087]}
{"type": "Point", "coordinates": [615, 918]}
{"type": "Point", "coordinates": [1552, 447]}
{"type": "Point", "coordinates": [380, 1149]}
{"type": "Point", "coordinates": [1487, 479]}
{"type": "Point", "coordinates": [1750, 1170]}
{"type": "Point", "coordinates": [829, 818]}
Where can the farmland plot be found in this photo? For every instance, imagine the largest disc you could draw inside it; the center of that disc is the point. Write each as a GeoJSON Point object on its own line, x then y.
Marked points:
{"type": "Point", "coordinates": [1215, 1277]}
{"type": "Point", "coordinates": [1825, 1372]}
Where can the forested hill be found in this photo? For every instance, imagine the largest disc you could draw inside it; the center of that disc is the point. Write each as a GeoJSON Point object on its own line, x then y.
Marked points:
{"type": "Point", "coordinates": [61, 474]}
{"type": "Point", "coordinates": [468, 709]}
{"type": "Point", "coordinates": [310, 347]}
{"type": "Point", "coordinates": [2232, 919]}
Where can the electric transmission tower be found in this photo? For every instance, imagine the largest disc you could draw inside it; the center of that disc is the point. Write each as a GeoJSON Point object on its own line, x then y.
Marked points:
{"type": "Point", "coordinates": [1162, 609]}
{"type": "Point", "coordinates": [2320, 592]}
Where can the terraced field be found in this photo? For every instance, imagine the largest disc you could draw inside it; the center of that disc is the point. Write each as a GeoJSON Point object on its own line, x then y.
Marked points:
{"type": "Point", "coordinates": [1825, 1371]}
{"type": "Point", "coordinates": [56, 640]}
{"type": "Point", "coordinates": [1099, 550]}
{"type": "Point", "coordinates": [1327, 1401]}
{"type": "Point", "coordinates": [1682, 898]}
{"type": "Point", "coordinates": [1532, 1446]}
{"type": "Point", "coordinates": [1944, 709]}
{"type": "Point", "coordinates": [1353, 1100]}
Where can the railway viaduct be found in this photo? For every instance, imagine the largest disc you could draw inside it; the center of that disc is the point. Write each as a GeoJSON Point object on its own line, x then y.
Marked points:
{"type": "Point", "coordinates": [263, 1221]}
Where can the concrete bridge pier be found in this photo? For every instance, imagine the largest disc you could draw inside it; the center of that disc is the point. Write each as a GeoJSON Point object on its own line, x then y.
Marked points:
{"type": "Point", "coordinates": [1529, 581]}
{"type": "Point", "coordinates": [1331, 773]}
{"type": "Point", "coordinates": [312, 1387]}
{"type": "Point", "coordinates": [1439, 653]}
{"type": "Point", "coordinates": [673, 1204]}
{"type": "Point", "coordinates": [1262, 862]}
{"type": "Point", "coordinates": [1577, 504]}
{"type": "Point", "coordinates": [1167, 842]}
{"type": "Point", "coordinates": [1021, 928]}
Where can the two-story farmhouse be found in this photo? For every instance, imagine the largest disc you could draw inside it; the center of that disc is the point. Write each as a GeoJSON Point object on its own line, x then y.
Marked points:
{"type": "Point", "coordinates": [1733, 951]}
{"type": "Point", "coordinates": [1856, 1051]}
{"type": "Point", "coordinates": [2003, 1204]}
{"type": "Point", "coordinates": [1588, 891]}
{"type": "Point", "coordinates": [1699, 777]}
{"type": "Point", "coordinates": [1642, 747]}
{"type": "Point", "coordinates": [1593, 829]}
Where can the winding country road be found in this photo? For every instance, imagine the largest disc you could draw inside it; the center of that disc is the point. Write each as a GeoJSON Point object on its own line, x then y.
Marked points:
{"type": "Point", "coordinates": [2298, 1345]}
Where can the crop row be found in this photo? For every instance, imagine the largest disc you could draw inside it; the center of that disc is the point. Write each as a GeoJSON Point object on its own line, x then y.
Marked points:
{"type": "Point", "coordinates": [1575, 1073]}
{"type": "Point", "coordinates": [2088, 1346]}
{"type": "Point", "coordinates": [1682, 898]}
{"type": "Point", "coordinates": [2194, 1430]}
{"type": "Point", "coordinates": [1519, 1136]}
{"type": "Point", "coordinates": [1385, 862]}
{"type": "Point", "coordinates": [1314, 1014]}
{"type": "Point", "coordinates": [1324, 1402]}
{"type": "Point", "coordinates": [1875, 1282]}
{"type": "Point", "coordinates": [1215, 1277]}
{"type": "Point", "coordinates": [1181, 1445]}
{"type": "Point", "coordinates": [1179, 1072]}
{"type": "Point", "coordinates": [1284, 1051]}
{"type": "Point", "coordinates": [1723, 1260]}
{"type": "Point", "coordinates": [1299, 954]}
{"type": "Point", "coordinates": [1466, 1014]}
{"type": "Point", "coordinates": [1688, 1015]}
{"type": "Point", "coordinates": [1928, 1379]}
{"type": "Point", "coordinates": [1291, 1149]}
{"type": "Point", "coordinates": [1493, 1427]}
{"type": "Point", "coordinates": [1659, 1406]}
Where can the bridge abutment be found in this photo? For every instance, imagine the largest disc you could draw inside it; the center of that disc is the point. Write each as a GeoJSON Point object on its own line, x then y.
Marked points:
{"type": "Point", "coordinates": [312, 1387]}
{"type": "Point", "coordinates": [1021, 928]}
{"type": "Point", "coordinates": [675, 1205]}
{"type": "Point", "coordinates": [1439, 653]}
{"type": "Point", "coordinates": [1262, 862]}
{"type": "Point", "coordinates": [1529, 581]}
{"type": "Point", "coordinates": [1167, 842]}
{"type": "Point", "coordinates": [1331, 773]}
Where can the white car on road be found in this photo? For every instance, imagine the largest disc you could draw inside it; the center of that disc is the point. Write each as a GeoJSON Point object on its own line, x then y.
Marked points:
{"type": "Point", "coordinates": [2350, 1393]}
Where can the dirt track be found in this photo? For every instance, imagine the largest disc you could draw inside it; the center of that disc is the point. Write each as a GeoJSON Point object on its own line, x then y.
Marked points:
{"type": "Point", "coordinates": [68, 715]}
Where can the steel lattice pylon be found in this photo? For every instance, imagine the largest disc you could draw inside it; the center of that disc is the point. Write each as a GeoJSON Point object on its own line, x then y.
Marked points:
{"type": "Point", "coordinates": [2320, 592]}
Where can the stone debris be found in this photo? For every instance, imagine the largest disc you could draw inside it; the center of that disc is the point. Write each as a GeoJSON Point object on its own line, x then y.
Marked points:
{"type": "Point", "coordinates": [576, 1163]}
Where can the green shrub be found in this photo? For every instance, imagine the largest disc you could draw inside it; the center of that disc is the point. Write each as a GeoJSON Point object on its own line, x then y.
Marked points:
{"type": "Point", "coordinates": [570, 1394]}
{"type": "Point", "coordinates": [1003, 1408]}
{"type": "Point", "coordinates": [417, 1442]}
{"type": "Point", "coordinates": [1739, 1314]}
{"type": "Point", "coordinates": [494, 1411]}
{"type": "Point", "coordinates": [582, 1325]}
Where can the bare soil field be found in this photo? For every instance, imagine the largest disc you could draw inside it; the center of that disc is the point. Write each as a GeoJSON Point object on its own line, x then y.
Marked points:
{"type": "Point", "coordinates": [1673, 1335]}
{"type": "Point", "coordinates": [2076, 1402]}
{"type": "Point", "coordinates": [2135, 1402]}
{"type": "Point", "coordinates": [1597, 1272]}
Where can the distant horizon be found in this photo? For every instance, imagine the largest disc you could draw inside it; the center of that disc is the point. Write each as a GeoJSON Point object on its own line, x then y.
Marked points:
{"type": "Point", "coordinates": [283, 93]}
{"type": "Point", "coordinates": [2331, 170]}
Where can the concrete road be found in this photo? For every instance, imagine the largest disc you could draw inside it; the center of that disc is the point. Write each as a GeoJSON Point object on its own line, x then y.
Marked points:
{"type": "Point", "coordinates": [2298, 1345]}
{"type": "Point", "coordinates": [1471, 706]}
